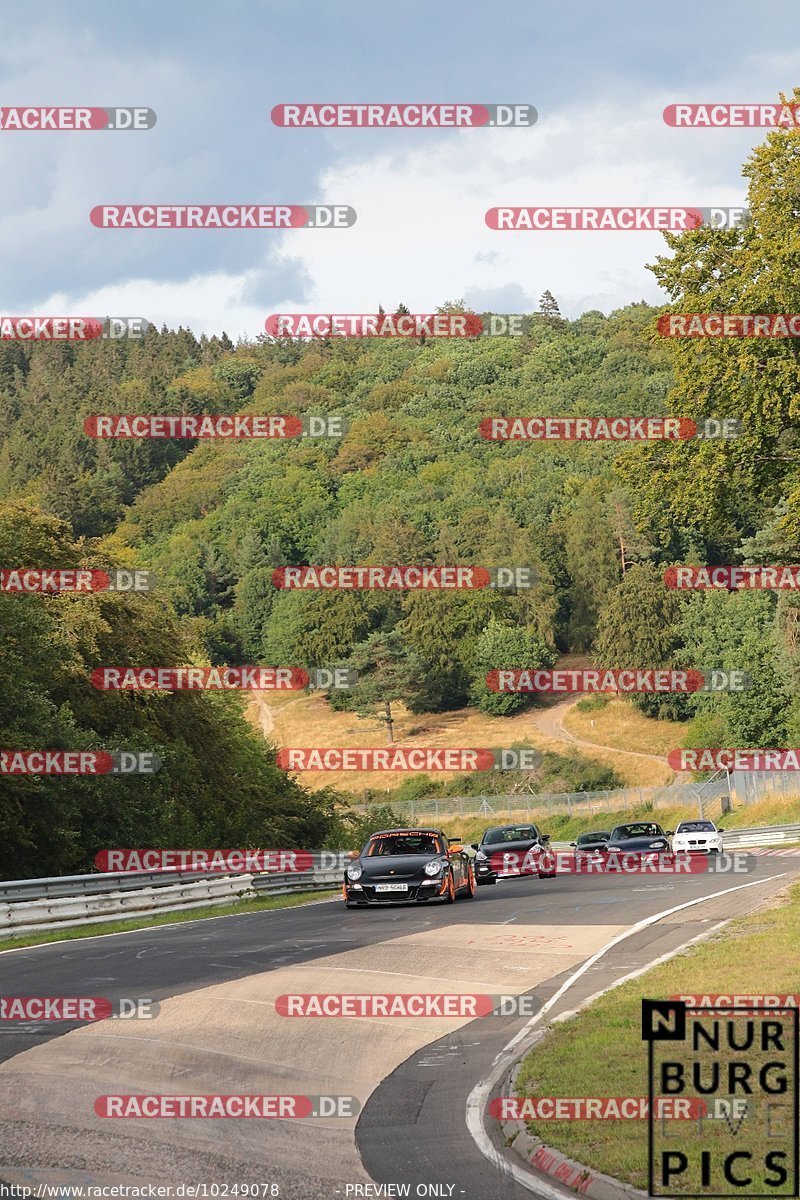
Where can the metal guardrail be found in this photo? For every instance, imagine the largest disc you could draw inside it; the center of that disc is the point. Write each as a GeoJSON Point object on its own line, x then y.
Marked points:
{"type": "Point", "coordinates": [760, 836]}
{"type": "Point", "coordinates": [31, 905]}
{"type": "Point", "coordinates": [34, 905]}
{"type": "Point", "coordinates": [84, 885]}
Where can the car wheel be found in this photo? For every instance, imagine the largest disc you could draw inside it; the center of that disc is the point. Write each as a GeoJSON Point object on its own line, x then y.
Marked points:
{"type": "Point", "coordinates": [471, 884]}
{"type": "Point", "coordinates": [450, 894]}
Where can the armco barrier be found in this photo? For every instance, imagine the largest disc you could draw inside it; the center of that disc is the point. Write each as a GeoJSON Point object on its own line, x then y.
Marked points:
{"type": "Point", "coordinates": [34, 905]}
{"type": "Point", "coordinates": [31, 905]}
{"type": "Point", "coordinates": [744, 839]}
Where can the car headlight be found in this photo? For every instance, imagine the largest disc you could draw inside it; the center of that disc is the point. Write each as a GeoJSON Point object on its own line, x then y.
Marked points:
{"type": "Point", "coordinates": [355, 872]}
{"type": "Point", "coordinates": [433, 868]}
{"type": "Point", "coordinates": [657, 846]}
{"type": "Point", "coordinates": [481, 857]}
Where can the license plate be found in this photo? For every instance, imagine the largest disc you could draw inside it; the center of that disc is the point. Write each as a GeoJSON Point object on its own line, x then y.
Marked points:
{"type": "Point", "coordinates": [391, 887]}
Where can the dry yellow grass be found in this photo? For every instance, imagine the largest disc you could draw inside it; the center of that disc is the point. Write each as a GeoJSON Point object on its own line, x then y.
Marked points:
{"type": "Point", "coordinates": [754, 955]}
{"type": "Point", "coordinates": [307, 721]}
{"type": "Point", "coordinates": [622, 726]}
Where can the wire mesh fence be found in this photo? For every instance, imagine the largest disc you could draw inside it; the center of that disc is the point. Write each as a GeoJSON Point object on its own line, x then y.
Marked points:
{"type": "Point", "coordinates": [710, 799]}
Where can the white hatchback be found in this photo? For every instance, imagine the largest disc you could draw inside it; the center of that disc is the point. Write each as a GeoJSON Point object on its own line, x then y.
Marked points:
{"type": "Point", "coordinates": [702, 837]}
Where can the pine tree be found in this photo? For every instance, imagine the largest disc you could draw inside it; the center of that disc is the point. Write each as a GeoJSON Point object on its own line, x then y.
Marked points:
{"type": "Point", "coordinates": [548, 306]}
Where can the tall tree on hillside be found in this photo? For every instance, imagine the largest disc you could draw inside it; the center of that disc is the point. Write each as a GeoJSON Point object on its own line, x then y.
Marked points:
{"type": "Point", "coordinates": [387, 672]}
{"type": "Point", "coordinates": [548, 305]}
{"type": "Point", "coordinates": [717, 489]}
{"type": "Point", "coordinates": [633, 547]}
{"type": "Point", "coordinates": [639, 627]}
{"type": "Point", "coordinates": [592, 560]}
{"type": "Point", "coordinates": [503, 646]}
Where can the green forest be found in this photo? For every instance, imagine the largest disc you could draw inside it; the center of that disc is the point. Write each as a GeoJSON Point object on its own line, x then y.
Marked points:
{"type": "Point", "coordinates": [410, 481]}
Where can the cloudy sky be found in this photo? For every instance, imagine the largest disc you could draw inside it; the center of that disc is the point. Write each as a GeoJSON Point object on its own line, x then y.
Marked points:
{"type": "Point", "coordinates": [599, 77]}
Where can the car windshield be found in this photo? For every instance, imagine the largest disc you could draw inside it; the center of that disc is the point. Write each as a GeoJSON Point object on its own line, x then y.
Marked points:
{"type": "Point", "coordinates": [514, 833]}
{"type": "Point", "coordinates": [633, 831]}
{"type": "Point", "coordinates": [404, 843]}
{"type": "Point", "coordinates": [697, 827]}
{"type": "Point", "coordinates": [602, 836]}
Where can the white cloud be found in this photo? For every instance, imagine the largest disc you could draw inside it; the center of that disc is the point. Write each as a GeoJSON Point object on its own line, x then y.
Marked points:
{"type": "Point", "coordinates": [421, 238]}
{"type": "Point", "coordinates": [206, 304]}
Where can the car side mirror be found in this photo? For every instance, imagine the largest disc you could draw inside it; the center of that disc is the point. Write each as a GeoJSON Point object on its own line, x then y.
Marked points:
{"type": "Point", "coordinates": [573, 843]}
{"type": "Point", "coordinates": [545, 837]}
{"type": "Point", "coordinates": [474, 845]}
{"type": "Point", "coordinates": [720, 829]}
{"type": "Point", "coordinates": [669, 832]}
{"type": "Point", "coordinates": [456, 840]}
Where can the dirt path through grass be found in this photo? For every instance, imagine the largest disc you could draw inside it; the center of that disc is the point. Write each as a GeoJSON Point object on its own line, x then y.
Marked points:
{"type": "Point", "coordinates": [550, 721]}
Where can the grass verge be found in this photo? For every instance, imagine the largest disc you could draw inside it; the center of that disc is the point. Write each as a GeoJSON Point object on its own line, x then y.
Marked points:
{"type": "Point", "coordinates": [600, 1052]}
{"type": "Point", "coordinates": [620, 725]}
{"type": "Point", "coordinates": [171, 918]}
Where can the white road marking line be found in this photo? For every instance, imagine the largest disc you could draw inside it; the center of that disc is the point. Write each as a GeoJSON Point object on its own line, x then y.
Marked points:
{"type": "Point", "coordinates": [476, 1101]}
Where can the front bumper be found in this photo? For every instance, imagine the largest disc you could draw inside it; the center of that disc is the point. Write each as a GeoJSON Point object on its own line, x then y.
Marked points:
{"type": "Point", "coordinates": [417, 891]}
{"type": "Point", "coordinates": [696, 846]}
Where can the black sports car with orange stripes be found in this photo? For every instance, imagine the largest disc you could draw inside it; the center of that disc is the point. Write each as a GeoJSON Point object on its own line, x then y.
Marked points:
{"type": "Point", "coordinates": [408, 865]}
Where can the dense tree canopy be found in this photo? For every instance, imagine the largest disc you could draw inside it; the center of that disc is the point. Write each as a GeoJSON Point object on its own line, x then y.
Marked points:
{"type": "Point", "coordinates": [411, 481]}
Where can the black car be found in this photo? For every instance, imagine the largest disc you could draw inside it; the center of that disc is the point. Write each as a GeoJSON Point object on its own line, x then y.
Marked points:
{"type": "Point", "coordinates": [640, 837]}
{"type": "Point", "coordinates": [398, 865]}
{"type": "Point", "coordinates": [512, 840]}
{"type": "Point", "coordinates": [592, 843]}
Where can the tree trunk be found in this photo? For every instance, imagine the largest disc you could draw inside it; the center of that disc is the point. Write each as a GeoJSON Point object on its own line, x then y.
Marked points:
{"type": "Point", "coordinates": [389, 722]}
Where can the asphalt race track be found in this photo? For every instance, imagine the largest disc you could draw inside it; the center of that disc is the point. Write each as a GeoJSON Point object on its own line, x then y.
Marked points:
{"type": "Point", "coordinates": [218, 1032]}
